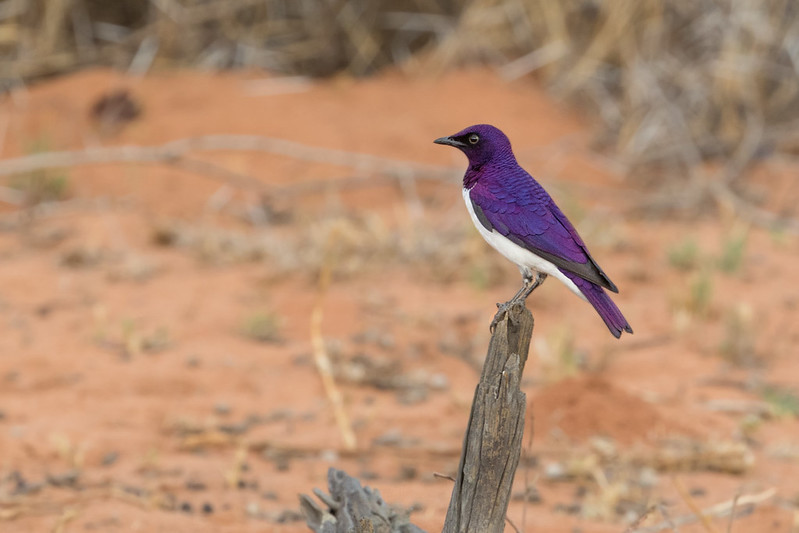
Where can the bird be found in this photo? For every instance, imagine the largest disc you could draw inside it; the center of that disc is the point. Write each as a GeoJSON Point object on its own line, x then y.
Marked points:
{"type": "Point", "coordinates": [518, 218]}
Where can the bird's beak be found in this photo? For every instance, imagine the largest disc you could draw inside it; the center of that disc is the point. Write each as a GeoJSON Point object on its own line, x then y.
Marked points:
{"type": "Point", "coordinates": [450, 142]}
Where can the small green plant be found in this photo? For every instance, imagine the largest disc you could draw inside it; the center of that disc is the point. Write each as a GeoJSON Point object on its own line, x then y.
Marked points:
{"type": "Point", "coordinates": [733, 252]}
{"type": "Point", "coordinates": [783, 402]}
{"type": "Point", "coordinates": [779, 236]}
{"type": "Point", "coordinates": [262, 326]}
{"type": "Point", "coordinates": [41, 185]}
{"type": "Point", "coordinates": [685, 255]}
{"type": "Point", "coordinates": [700, 293]}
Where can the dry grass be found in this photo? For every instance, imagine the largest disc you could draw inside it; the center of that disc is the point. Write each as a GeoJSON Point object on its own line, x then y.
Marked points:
{"type": "Point", "coordinates": [673, 83]}
{"type": "Point", "coordinates": [313, 37]}
{"type": "Point", "coordinates": [359, 243]}
{"type": "Point", "coordinates": [620, 483]}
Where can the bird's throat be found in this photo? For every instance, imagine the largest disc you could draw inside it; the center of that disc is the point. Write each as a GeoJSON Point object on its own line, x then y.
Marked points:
{"type": "Point", "coordinates": [472, 176]}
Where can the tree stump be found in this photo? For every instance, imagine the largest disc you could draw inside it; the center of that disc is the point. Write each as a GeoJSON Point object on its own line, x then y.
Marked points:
{"type": "Point", "coordinates": [493, 441]}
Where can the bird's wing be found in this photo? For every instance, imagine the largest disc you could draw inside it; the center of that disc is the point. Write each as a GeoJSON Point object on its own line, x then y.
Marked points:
{"type": "Point", "coordinates": [525, 214]}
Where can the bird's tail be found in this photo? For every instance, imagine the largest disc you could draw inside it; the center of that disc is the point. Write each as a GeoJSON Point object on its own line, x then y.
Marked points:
{"type": "Point", "coordinates": [597, 297]}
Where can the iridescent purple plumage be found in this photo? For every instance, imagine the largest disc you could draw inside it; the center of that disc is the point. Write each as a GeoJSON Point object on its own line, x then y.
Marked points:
{"type": "Point", "coordinates": [519, 218]}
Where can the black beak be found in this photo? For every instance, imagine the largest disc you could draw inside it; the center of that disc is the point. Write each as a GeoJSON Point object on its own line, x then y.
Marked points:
{"type": "Point", "coordinates": [450, 142]}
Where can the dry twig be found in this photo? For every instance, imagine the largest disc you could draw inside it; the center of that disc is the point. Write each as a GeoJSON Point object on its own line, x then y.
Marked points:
{"type": "Point", "coordinates": [732, 512]}
{"type": "Point", "coordinates": [686, 497]}
{"type": "Point", "coordinates": [323, 364]}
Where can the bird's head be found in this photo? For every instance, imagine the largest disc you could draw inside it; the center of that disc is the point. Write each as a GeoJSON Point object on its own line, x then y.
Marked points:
{"type": "Point", "coordinates": [481, 143]}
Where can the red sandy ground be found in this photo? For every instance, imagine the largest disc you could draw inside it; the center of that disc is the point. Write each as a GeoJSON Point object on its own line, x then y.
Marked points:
{"type": "Point", "coordinates": [71, 400]}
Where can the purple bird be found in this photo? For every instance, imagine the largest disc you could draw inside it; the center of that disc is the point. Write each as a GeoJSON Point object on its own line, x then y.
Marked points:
{"type": "Point", "coordinates": [521, 221]}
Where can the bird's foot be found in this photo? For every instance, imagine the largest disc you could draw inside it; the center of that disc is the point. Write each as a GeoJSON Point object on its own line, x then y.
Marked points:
{"type": "Point", "coordinates": [501, 312]}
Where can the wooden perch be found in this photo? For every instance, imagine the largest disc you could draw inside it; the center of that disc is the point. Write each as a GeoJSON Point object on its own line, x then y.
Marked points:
{"type": "Point", "coordinates": [493, 440]}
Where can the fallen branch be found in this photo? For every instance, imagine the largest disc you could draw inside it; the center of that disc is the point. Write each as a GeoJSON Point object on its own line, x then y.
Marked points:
{"type": "Point", "coordinates": [173, 151]}
{"type": "Point", "coordinates": [373, 171]}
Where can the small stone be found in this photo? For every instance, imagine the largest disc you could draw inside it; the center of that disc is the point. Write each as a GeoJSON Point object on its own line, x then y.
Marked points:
{"type": "Point", "coordinates": [282, 463]}
{"type": "Point", "coordinates": [67, 479]}
{"type": "Point", "coordinates": [238, 428]}
{"type": "Point", "coordinates": [109, 458]}
{"type": "Point", "coordinates": [408, 472]}
{"type": "Point", "coordinates": [416, 507]}
{"type": "Point", "coordinates": [438, 381]}
{"type": "Point", "coordinates": [571, 509]}
{"type": "Point", "coordinates": [253, 510]}
{"type": "Point", "coordinates": [554, 471]}
{"type": "Point", "coordinates": [195, 485]}
{"type": "Point", "coordinates": [386, 341]}
{"type": "Point", "coordinates": [288, 515]}
{"type": "Point", "coordinates": [329, 456]}
{"type": "Point", "coordinates": [392, 437]}
{"type": "Point", "coordinates": [302, 360]}
{"type": "Point", "coordinates": [412, 395]}
{"type": "Point", "coordinates": [21, 485]}
{"type": "Point", "coordinates": [648, 477]}
{"type": "Point", "coordinates": [221, 408]}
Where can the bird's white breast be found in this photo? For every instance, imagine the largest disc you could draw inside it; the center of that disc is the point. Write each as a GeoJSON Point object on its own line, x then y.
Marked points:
{"type": "Point", "coordinates": [524, 259]}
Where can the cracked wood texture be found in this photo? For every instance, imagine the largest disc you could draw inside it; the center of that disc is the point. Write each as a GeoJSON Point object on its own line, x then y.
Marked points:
{"type": "Point", "coordinates": [493, 441]}
{"type": "Point", "coordinates": [352, 508]}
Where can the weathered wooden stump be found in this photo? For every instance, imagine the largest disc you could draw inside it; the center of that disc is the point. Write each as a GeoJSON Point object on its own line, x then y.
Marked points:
{"type": "Point", "coordinates": [493, 441]}
{"type": "Point", "coordinates": [491, 450]}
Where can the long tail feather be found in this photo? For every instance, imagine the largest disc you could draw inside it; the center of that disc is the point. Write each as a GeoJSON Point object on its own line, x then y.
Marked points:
{"type": "Point", "coordinates": [597, 297]}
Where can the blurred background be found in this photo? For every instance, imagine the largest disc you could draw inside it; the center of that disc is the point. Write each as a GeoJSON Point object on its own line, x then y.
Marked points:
{"type": "Point", "coordinates": [231, 257]}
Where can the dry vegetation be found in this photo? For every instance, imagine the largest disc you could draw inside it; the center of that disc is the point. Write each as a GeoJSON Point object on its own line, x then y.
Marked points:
{"type": "Point", "coordinates": [673, 83]}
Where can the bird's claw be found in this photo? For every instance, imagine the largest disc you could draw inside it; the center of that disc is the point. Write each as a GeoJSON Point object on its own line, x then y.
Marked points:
{"type": "Point", "coordinates": [502, 310]}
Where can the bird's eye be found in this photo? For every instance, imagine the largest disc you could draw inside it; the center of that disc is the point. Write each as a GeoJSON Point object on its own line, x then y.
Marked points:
{"type": "Point", "coordinates": [474, 138]}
